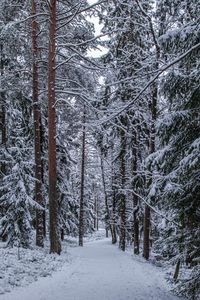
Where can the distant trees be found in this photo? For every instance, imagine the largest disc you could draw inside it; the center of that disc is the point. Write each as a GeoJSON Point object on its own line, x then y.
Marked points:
{"type": "Point", "coordinates": [152, 58]}
{"type": "Point", "coordinates": [129, 63]}
{"type": "Point", "coordinates": [177, 160]}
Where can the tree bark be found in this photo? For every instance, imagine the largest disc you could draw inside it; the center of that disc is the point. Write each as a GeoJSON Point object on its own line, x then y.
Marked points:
{"type": "Point", "coordinates": [55, 246]}
{"type": "Point", "coordinates": [107, 217]}
{"type": "Point", "coordinates": [136, 226]}
{"type": "Point", "coordinates": [177, 270]}
{"type": "Point", "coordinates": [122, 242]}
{"type": "Point", "coordinates": [81, 212]}
{"type": "Point", "coordinates": [37, 134]}
{"type": "Point", "coordinates": [96, 209]}
{"type": "Point", "coordinates": [146, 242]}
{"type": "Point", "coordinates": [3, 112]}
{"type": "Point", "coordinates": [3, 129]}
{"type": "Point", "coordinates": [135, 197]}
{"type": "Point", "coordinates": [114, 234]}
{"type": "Point", "coordinates": [147, 213]}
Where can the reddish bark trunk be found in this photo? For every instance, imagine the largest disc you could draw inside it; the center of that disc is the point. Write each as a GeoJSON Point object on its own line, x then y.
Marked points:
{"type": "Point", "coordinates": [55, 246]}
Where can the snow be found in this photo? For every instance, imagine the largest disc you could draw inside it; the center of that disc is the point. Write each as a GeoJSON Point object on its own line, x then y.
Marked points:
{"type": "Point", "coordinates": [20, 267]}
{"type": "Point", "coordinates": [98, 271]}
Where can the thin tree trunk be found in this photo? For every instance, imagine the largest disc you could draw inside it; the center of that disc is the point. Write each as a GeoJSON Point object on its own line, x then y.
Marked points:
{"type": "Point", "coordinates": [146, 242]}
{"type": "Point", "coordinates": [3, 112]}
{"type": "Point", "coordinates": [136, 226]}
{"type": "Point", "coordinates": [122, 242]}
{"type": "Point", "coordinates": [107, 217]}
{"type": "Point", "coordinates": [2, 128]}
{"type": "Point", "coordinates": [96, 220]}
{"type": "Point", "coordinates": [55, 246]}
{"type": "Point", "coordinates": [81, 212]}
{"type": "Point", "coordinates": [147, 213]}
{"type": "Point", "coordinates": [114, 234]}
{"type": "Point", "coordinates": [97, 215]}
{"type": "Point", "coordinates": [37, 133]}
{"type": "Point", "coordinates": [177, 270]}
{"type": "Point", "coordinates": [135, 197]}
{"type": "Point", "coordinates": [42, 170]}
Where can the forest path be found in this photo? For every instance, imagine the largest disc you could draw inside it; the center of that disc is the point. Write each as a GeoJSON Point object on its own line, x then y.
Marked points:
{"type": "Point", "coordinates": [98, 271]}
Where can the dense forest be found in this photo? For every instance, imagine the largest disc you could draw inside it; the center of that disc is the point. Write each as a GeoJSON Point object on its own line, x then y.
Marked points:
{"type": "Point", "coordinates": [110, 139]}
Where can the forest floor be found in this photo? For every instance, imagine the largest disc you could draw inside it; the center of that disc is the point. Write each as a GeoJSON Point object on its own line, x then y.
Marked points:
{"type": "Point", "coordinates": [98, 271]}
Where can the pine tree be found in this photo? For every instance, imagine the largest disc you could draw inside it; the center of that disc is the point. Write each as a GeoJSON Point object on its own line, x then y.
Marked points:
{"type": "Point", "coordinates": [16, 158]}
{"type": "Point", "coordinates": [55, 246]}
{"type": "Point", "coordinates": [177, 161]}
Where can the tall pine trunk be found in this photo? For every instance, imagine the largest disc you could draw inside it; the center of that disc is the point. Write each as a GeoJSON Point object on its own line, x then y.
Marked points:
{"type": "Point", "coordinates": [55, 246]}
{"type": "Point", "coordinates": [147, 213]}
{"type": "Point", "coordinates": [37, 134]}
{"type": "Point", "coordinates": [81, 211]}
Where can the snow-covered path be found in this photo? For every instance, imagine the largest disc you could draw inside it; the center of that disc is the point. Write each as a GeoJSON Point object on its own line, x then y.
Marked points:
{"type": "Point", "coordinates": [98, 271]}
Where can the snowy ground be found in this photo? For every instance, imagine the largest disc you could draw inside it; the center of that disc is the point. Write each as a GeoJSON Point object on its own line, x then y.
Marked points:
{"type": "Point", "coordinates": [98, 271]}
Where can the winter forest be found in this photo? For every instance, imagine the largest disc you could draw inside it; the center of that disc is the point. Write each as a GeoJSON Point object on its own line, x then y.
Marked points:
{"type": "Point", "coordinates": [100, 149]}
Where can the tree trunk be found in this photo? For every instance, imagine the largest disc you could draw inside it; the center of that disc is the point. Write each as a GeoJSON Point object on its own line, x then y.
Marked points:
{"type": "Point", "coordinates": [147, 213]}
{"type": "Point", "coordinates": [62, 234]}
{"type": "Point", "coordinates": [96, 220]}
{"type": "Point", "coordinates": [3, 112]}
{"type": "Point", "coordinates": [136, 226]}
{"type": "Point", "coordinates": [97, 210]}
{"type": "Point", "coordinates": [135, 197]}
{"type": "Point", "coordinates": [114, 234]}
{"type": "Point", "coordinates": [3, 129]}
{"type": "Point", "coordinates": [81, 212]}
{"type": "Point", "coordinates": [55, 246]}
{"type": "Point", "coordinates": [107, 217]}
{"type": "Point", "coordinates": [37, 135]}
{"type": "Point", "coordinates": [42, 170]}
{"type": "Point", "coordinates": [122, 242]}
{"type": "Point", "coordinates": [146, 242]}
{"type": "Point", "coordinates": [177, 270]}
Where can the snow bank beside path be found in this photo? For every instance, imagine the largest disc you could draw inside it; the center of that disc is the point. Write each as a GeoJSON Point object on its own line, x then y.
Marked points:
{"type": "Point", "coordinates": [98, 271]}
{"type": "Point", "coordinates": [20, 267]}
